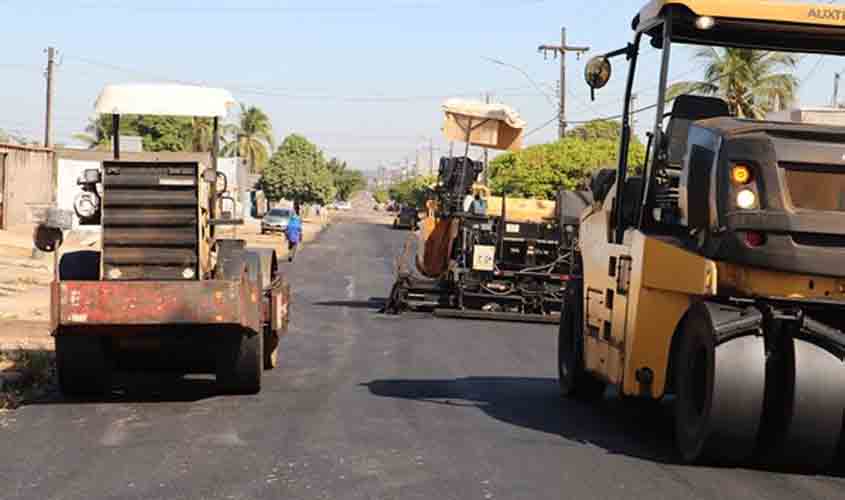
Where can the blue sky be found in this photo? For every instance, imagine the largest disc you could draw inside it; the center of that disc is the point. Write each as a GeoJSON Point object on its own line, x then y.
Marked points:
{"type": "Point", "coordinates": [364, 80]}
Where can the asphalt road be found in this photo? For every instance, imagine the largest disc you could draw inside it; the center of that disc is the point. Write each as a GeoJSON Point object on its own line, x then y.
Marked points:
{"type": "Point", "coordinates": [369, 407]}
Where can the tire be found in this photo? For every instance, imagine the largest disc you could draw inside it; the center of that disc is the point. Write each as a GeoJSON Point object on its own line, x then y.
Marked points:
{"type": "Point", "coordinates": [573, 378]}
{"type": "Point", "coordinates": [720, 390]}
{"type": "Point", "coordinates": [81, 365]}
{"type": "Point", "coordinates": [80, 266]}
{"type": "Point", "coordinates": [240, 362]}
{"type": "Point", "coordinates": [271, 349]}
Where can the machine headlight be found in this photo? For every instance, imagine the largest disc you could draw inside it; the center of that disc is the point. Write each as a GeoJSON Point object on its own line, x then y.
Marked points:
{"type": "Point", "coordinates": [705, 23]}
{"type": "Point", "coordinates": [188, 273]}
{"type": "Point", "coordinates": [746, 199]}
{"type": "Point", "coordinates": [86, 204]}
{"type": "Point", "coordinates": [115, 273]}
{"type": "Point", "coordinates": [740, 175]}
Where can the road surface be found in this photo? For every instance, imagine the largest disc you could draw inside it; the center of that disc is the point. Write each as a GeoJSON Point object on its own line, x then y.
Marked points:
{"type": "Point", "coordinates": [369, 407]}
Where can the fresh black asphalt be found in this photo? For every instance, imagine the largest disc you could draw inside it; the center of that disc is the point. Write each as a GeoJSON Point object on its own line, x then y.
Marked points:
{"type": "Point", "coordinates": [369, 407]}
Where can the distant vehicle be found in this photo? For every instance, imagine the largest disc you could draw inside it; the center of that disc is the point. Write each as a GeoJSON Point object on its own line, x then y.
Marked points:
{"type": "Point", "coordinates": [276, 220]}
{"type": "Point", "coordinates": [342, 205]}
{"type": "Point", "coordinates": [407, 218]}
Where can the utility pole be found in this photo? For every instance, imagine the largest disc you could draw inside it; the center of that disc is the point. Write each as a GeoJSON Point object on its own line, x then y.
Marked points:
{"type": "Point", "coordinates": [560, 51]}
{"type": "Point", "coordinates": [48, 122]}
{"type": "Point", "coordinates": [836, 78]}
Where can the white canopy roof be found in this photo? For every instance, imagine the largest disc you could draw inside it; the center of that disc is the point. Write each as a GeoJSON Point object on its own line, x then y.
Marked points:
{"type": "Point", "coordinates": [163, 99]}
{"type": "Point", "coordinates": [484, 111]}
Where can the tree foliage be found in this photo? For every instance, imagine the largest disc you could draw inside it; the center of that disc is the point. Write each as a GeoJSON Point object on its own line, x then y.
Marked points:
{"type": "Point", "coordinates": [297, 171]}
{"type": "Point", "coordinates": [250, 138]}
{"type": "Point", "coordinates": [752, 82]}
{"type": "Point", "coordinates": [346, 182]}
{"type": "Point", "coordinates": [539, 171]}
{"type": "Point", "coordinates": [412, 192]}
{"type": "Point", "coordinates": [158, 133]}
{"type": "Point", "coordinates": [381, 196]}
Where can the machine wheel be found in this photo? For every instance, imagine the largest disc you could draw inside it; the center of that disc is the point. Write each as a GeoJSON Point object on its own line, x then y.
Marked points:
{"type": "Point", "coordinates": [80, 266]}
{"type": "Point", "coordinates": [807, 402]}
{"type": "Point", "coordinates": [81, 365]}
{"type": "Point", "coordinates": [573, 378]}
{"type": "Point", "coordinates": [271, 349]}
{"type": "Point", "coordinates": [240, 362]}
{"type": "Point", "coordinates": [720, 392]}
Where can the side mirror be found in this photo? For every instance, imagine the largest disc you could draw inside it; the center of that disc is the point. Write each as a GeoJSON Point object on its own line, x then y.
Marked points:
{"type": "Point", "coordinates": [597, 73]}
{"type": "Point", "coordinates": [47, 239]}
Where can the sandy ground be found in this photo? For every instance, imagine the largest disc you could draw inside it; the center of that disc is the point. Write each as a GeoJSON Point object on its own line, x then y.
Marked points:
{"type": "Point", "coordinates": [25, 278]}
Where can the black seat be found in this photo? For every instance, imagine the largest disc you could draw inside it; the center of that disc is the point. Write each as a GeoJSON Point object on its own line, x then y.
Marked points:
{"type": "Point", "coordinates": [687, 109]}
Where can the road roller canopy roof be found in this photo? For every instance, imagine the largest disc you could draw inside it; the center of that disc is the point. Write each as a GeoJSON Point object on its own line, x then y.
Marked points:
{"type": "Point", "coordinates": [484, 111]}
{"type": "Point", "coordinates": [164, 99]}
{"type": "Point", "coordinates": [782, 25]}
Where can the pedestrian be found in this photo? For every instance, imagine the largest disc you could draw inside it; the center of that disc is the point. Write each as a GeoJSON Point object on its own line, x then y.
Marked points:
{"type": "Point", "coordinates": [479, 206]}
{"type": "Point", "coordinates": [294, 235]}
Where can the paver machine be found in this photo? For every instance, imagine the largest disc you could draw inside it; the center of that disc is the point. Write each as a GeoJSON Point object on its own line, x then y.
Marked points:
{"type": "Point", "coordinates": [509, 262]}
{"type": "Point", "coordinates": [717, 276]}
{"type": "Point", "coordinates": [166, 290]}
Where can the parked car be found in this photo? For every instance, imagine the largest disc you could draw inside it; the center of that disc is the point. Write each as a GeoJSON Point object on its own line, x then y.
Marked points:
{"type": "Point", "coordinates": [343, 205]}
{"type": "Point", "coordinates": [407, 218]}
{"type": "Point", "coordinates": [276, 220]}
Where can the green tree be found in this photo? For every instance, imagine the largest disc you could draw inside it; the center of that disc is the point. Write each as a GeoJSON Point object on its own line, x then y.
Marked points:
{"type": "Point", "coordinates": [200, 135]}
{"type": "Point", "coordinates": [539, 171]}
{"type": "Point", "coordinates": [346, 182]}
{"type": "Point", "coordinates": [412, 192]}
{"type": "Point", "coordinates": [250, 138]}
{"type": "Point", "coordinates": [158, 133]}
{"type": "Point", "coordinates": [752, 82]}
{"type": "Point", "coordinates": [381, 196]}
{"type": "Point", "coordinates": [98, 133]}
{"type": "Point", "coordinates": [597, 129]}
{"type": "Point", "coordinates": [297, 171]}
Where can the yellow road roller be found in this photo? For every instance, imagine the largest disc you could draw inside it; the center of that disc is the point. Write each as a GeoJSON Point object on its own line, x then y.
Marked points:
{"type": "Point", "coordinates": [716, 276]}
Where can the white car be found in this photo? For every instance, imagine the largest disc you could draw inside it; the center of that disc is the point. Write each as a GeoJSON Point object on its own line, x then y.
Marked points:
{"type": "Point", "coordinates": [342, 205]}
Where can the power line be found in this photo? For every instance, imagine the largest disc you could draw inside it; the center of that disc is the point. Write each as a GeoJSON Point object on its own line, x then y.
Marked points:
{"type": "Point", "coordinates": [282, 93]}
{"type": "Point", "coordinates": [301, 9]}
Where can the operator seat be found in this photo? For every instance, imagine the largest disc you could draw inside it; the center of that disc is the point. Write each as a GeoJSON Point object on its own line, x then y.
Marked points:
{"type": "Point", "coordinates": [662, 206]}
{"type": "Point", "coordinates": [686, 110]}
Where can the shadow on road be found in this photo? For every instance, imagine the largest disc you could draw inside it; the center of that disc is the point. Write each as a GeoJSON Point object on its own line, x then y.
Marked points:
{"type": "Point", "coordinates": [373, 303]}
{"type": "Point", "coordinates": [640, 430]}
{"type": "Point", "coordinates": [637, 429]}
{"type": "Point", "coordinates": [144, 388]}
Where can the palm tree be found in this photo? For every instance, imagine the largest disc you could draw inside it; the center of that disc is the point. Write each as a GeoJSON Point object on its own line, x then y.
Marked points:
{"type": "Point", "coordinates": [250, 138]}
{"type": "Point", "coordinates": [752, 82]}
{"type": "Point", "coordinates": [98, 133]}
{"type": "Point", "coordinates": [200, 135]}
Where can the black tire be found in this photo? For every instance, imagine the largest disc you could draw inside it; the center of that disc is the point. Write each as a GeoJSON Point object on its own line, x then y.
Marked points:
{"type": "Point", "coordinates": [720, 390]}
{"type": "Point", "coordinates": [240, 362]}
{"type": "Point", "coordinates": [81, 365]}
{"type": "Point", "coordinates": [573, 378]}
{"type": "Point", "coordinates": [80, 266]}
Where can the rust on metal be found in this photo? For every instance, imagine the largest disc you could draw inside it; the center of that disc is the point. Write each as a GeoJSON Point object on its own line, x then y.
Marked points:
{"type": "Point", "coordinates": [79, 303]}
